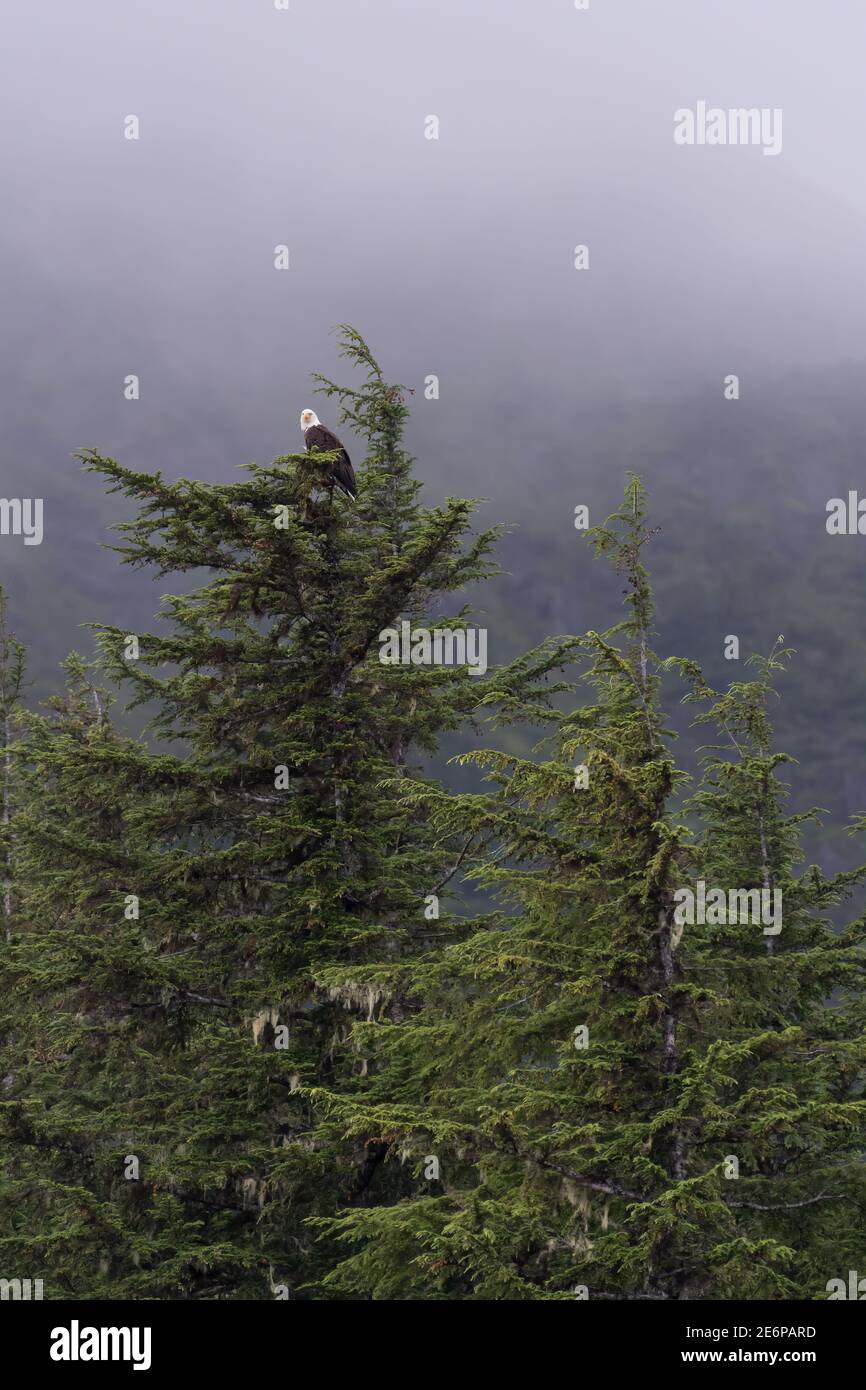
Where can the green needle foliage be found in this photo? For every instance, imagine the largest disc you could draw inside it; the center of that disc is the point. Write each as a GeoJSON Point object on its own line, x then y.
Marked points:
{"type": "Point", "coordinates": [780, 1086]}
{"type": "Point", "coordinates": [198, 925]}
{"type": "Point", "coordinates": [621, 1104]}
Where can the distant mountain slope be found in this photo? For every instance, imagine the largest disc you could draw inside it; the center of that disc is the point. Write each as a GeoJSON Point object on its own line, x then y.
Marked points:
{"type": "Point", "coordinates": [738, 489]}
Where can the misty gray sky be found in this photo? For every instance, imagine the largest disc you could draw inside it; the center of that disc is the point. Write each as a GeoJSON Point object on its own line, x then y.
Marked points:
{"type": "Point", "coordinates": [453, 256]}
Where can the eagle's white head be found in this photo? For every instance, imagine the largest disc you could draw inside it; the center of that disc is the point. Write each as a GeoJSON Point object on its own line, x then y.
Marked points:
{"type": "Point", "coordinates": [308, 418]}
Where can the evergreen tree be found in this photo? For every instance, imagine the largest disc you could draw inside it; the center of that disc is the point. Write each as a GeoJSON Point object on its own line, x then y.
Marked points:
{"type": "Point", "coordinates": [196, 945]}
{"type": "Point", "coordinates": [584, 1066]}
{"type": "Point", "coordinates": [88, 1004]}
{"type": "Point", "coordinates": [779, 1044]}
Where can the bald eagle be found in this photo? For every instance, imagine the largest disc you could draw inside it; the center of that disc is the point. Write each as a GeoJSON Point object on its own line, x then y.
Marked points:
{"type": "Point", "coordinates": [319, 439]}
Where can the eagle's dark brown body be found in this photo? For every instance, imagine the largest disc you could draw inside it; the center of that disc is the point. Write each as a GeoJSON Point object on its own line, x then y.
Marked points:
{"type": "Point", "coordinates": [319, 440]}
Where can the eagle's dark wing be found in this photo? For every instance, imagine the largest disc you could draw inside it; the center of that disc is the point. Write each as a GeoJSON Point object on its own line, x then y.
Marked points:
{"type": "Point", "coordinates": [318, 439]}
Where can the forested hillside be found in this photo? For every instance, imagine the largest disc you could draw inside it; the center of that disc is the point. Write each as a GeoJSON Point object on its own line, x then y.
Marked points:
{"type": "Point", "coordinates": [739, 491]}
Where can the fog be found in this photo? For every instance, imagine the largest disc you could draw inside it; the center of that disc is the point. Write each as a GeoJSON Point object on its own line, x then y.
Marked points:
{"type": "Point", "coordinates": [454, 256]}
